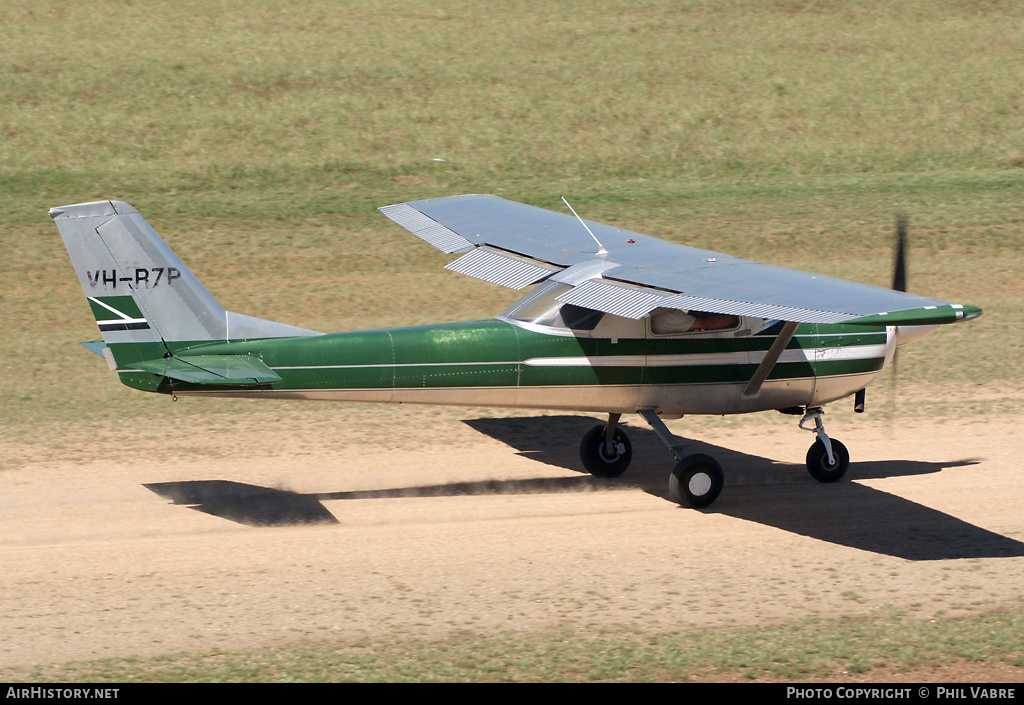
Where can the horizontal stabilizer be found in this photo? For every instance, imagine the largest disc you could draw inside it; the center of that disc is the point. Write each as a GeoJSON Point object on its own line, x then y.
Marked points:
{"type": "Point", "coordinates": [212, 369]}
{"type": "Point", "coordinates": [100, 348]}
{"type": "Point", "coordinates": [95, 346]}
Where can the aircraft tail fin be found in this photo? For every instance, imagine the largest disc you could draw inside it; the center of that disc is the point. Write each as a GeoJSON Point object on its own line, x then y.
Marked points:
{"type": "Point", "coordinates": [142, 295]}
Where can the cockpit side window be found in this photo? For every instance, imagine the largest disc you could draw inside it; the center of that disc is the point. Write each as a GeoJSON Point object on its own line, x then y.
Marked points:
{"type": "Point", "coordinates": [579, 318]}
{"type": "Point", "coordinates": [670, 321]}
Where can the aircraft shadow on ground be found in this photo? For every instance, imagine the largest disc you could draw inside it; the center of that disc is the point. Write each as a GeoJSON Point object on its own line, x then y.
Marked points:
{"type": "Point", "coordinates": [245, 504]}
{"type": "Point", "coordinates": [781, 495]}
{"type": "Point", "coordinates": [757, 489]}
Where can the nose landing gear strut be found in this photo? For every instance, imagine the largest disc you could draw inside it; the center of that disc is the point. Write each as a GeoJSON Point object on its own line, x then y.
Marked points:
{"type": "Point", "coordinates": [827, 458]}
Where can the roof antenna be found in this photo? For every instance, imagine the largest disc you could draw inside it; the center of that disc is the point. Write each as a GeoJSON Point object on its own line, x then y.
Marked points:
{"type": "Point", "coordinates": [601, 250]}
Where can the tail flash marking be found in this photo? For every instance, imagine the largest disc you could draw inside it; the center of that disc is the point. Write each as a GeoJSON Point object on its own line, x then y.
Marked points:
{"type": "Point", "coordinates": [123, 320]}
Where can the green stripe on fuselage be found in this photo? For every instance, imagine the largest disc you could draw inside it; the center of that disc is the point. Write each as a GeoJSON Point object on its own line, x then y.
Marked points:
{"type": "Point", "coordinates": [494, 353]}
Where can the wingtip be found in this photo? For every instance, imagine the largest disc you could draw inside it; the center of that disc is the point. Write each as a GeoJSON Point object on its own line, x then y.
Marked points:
{"type": "Point", "coordinates": [91, 209]}
{"type": "Point", "coordinates": [971, 312]}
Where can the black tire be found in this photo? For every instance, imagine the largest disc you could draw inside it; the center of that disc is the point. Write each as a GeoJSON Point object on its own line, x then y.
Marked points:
{"type": "Point", "coordinates": [595, 456]}
{"type": "Point", "coordinates": [818, 465]}
{"type": "Point", "coordinates": [696, 481]}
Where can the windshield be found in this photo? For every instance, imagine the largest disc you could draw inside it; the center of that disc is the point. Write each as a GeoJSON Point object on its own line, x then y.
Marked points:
{"type": "Point", "coordinates": [542, 308]}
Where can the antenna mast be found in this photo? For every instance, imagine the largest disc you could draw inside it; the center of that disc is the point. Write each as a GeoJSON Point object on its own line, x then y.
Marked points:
{"type": "Point", "coordinates": [601, 250]}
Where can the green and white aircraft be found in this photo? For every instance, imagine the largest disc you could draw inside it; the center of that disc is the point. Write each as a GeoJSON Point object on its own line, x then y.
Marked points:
{"type": "Point", "coordinates": [614, 322]}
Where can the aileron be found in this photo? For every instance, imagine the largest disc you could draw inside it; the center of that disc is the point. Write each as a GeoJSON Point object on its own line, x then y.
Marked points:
{"type": "Point", "coordinates": [425, 228]}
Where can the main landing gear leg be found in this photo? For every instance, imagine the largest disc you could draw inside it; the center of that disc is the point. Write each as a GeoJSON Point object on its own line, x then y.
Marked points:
{"type": "Point", "coordinates": [827, 459]}
{"type": "Point", "coordinates": [606, 450]}
{"type": "Point", "coordinates": [696, 480]}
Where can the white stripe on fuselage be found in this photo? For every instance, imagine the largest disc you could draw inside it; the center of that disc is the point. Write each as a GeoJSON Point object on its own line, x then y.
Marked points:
{"type": "Point", "coordinates": [742, 357]}
{"type": "Point", "coordinates": [754, 357]}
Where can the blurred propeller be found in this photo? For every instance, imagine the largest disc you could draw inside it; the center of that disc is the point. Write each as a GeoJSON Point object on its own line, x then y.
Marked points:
{"type": "Point", "coordinates": [899, 278]}
{"type": "Point", "coordinates": [899, 275]}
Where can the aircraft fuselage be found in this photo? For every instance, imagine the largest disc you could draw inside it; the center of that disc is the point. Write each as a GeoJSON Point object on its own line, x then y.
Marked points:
{"type": "Point", "coordinates": [504, 363]}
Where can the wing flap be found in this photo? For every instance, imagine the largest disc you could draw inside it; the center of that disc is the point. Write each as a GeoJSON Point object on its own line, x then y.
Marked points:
{"type": "Point", "coordinates": [498, 268]}
{"type": "Point", "coordinates": [616, 299]}
{"type": "Point", "coordinates": [749, 308]}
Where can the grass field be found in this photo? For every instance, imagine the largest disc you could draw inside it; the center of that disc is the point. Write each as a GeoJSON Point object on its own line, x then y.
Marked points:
{"type": "Point", "coordinates": [844, 650]}
{"type": "Point", "coordinates": [260, 139]}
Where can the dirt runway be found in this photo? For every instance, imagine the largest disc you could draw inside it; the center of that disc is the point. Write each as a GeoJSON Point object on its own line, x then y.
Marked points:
{"type": "Point", "coordinates": [217, 534]}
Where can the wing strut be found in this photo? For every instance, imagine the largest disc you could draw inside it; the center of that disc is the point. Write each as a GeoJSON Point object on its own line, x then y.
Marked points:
{"type": "Point", "coordinates": [651, 417]}
{"type": "Point", "coordinates": [768, 363]}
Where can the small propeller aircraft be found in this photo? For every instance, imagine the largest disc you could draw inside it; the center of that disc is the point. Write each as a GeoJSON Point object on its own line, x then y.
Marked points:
{"type": "Point", "coordinates": [614, 322]}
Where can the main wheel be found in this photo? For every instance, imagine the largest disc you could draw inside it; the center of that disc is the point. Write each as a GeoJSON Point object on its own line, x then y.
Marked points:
{"type": "Point", "coordinates": [594, 453]}
{"type": "Point", "coordinates": [818, 465]}
{"type": "Point", "coordinates": [696, 481]}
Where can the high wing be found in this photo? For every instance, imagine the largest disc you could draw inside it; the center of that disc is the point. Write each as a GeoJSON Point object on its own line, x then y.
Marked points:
{"type": "Point", "coordinates": [516, 245]}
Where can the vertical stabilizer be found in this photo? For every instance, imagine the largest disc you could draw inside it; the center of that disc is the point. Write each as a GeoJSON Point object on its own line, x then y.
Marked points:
{"type": "Point", "coordinates": [141, 294]}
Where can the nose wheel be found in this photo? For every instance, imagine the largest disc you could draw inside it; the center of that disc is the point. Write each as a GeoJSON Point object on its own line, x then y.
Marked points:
{"type": "Point", "coordinates": [821, 468]}
{"type": "Point", "coordinates": [827, 459]}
